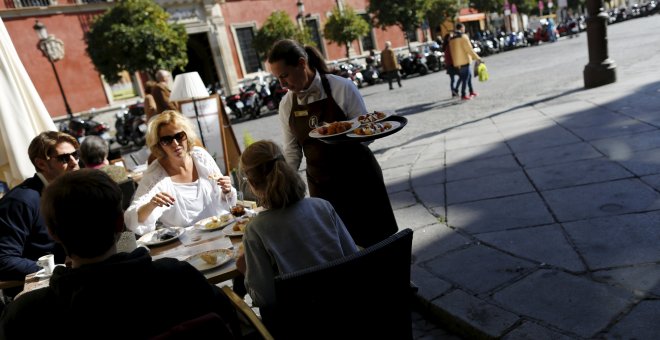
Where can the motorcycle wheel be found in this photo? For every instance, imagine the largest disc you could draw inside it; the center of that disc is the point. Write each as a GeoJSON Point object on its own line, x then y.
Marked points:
{"type": "Point", "coordinates": [423, 69]}
{"type": "Point", "coordinates": [119, 136]}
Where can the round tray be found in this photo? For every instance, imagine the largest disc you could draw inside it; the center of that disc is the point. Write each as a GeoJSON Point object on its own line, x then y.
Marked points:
{"type": "Point", "coordinates": [345, 139]}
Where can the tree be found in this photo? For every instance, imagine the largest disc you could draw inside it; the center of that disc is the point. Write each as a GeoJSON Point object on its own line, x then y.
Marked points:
{"type": "Point", "coordinates": [135, 36]}
{"type": "Point", "coordinates": [279, 26]}
{"type": "Point", "coordinates": [439, 12]}
{"type": "Point", "coordinates": [344, 27]}
{"type": "Point", "coordinates": [407, 14]}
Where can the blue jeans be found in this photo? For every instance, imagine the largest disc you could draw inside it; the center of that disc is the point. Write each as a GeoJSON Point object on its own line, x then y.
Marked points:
{"type": "Point", "coordinates": [464, 78]}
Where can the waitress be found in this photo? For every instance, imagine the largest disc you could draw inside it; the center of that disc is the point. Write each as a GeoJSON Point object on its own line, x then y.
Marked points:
{"type": "Point", "coordinates": [347, 175]}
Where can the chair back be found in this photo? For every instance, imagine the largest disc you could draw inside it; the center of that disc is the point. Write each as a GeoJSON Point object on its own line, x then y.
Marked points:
{"type": "Point", "coordinates": [207, 326]}
{"type": "Point", "coordinates": [366, 295]}
{"type": "Point", "coordinates": [128, 190]}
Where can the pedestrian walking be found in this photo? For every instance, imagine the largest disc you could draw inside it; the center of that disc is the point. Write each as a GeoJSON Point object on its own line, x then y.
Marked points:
{"type": "Point", "coordinates": [462, 55]}
{"type": "Point", "coordinates": [451, 70]}
{"type": "Point", "coordinates": [390, 64]}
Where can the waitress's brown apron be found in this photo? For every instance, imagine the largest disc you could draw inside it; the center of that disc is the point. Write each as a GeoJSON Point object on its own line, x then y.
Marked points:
{"type": "Point", "coordinates": [347, 175]}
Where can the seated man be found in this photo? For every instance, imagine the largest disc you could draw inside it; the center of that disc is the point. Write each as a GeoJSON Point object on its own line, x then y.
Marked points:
{"type": "Point", "coordinates": [94, 154]}
{"type": "Point", "coordinates": [105, 294]}
{"type": "Point", "coordinates": [23, 234]}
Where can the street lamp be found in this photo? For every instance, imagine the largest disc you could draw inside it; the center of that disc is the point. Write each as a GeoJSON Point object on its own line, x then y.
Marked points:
{"type": "Point", "coordinates": [301, 13]}
{"type": "Point", "coordinates": [53, 49]}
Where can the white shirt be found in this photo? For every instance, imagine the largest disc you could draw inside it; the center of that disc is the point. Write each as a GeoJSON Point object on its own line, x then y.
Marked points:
{"type": "Point", "coordinates": [193, 201]}
{"type": "Point", "coordinates": [344, 92]}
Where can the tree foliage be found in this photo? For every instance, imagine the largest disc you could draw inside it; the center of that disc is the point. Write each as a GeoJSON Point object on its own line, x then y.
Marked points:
{"type": "Point", "coordinates": [278, 26]}
{"type": "Point", "coordinates": [441, 11]}
{"type": "Point", "coordinates": [135, 36]}
{"type": "Point", "coordinates": [344, 27]}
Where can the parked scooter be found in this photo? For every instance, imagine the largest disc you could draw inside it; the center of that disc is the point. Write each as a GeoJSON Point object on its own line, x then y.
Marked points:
{"type": "Point", "coordinates": [435, 59]}
{"type": "Point", "coordinates": [352, 72]}
{"type": "Point", "coordinates": [251, 100]}
{"type": "Point", "coordinates": [413, 63]}
{"type": "Point", "coordinates": [277, 91]}
{"type": "Point", "coordinates": [80, 128]}
{"type": "Point", "coordinates": [131, 125]}
{"type": "Point", "coordinates": [235, 104]}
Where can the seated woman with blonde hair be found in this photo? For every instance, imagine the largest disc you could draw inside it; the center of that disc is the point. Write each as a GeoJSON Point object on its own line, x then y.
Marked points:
{"type": "Point", "coordinates": [183, 185]}
{"type": "Point", "coordinates": [293, 233]}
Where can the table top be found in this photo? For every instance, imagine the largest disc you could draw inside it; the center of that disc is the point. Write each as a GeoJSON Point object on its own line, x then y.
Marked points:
{"type": "Point", "coordinates": [192, 242]}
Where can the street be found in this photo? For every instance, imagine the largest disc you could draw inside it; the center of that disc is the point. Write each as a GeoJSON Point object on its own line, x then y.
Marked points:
{"type": "Point", "coordinates": [519, 77]}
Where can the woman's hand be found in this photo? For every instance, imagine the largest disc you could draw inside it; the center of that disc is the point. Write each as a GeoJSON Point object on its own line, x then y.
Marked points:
{"type": "Point", "coordinates": [162, 199]}
{"type": "Point", "coordinates": [225, 184]}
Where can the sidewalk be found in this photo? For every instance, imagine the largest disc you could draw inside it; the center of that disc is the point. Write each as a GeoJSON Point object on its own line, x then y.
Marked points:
{"type": "Point", "coordinates": [542, 221]}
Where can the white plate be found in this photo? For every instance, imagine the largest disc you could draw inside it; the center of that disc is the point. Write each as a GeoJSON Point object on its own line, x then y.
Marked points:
{"type": "Point", "coordinates": [387, 114]}
{"type": "Point", "coordinates": [201, 225]}
{"type": "Point", "coordinates": [222, 256]}
{"type": "Point", "coordinates": [394, 126]}
{"type": "Point", "coordinates": [315, 134]}
{"type": "Point", "coordinates": [229, 231]}
{"type": "Point", "coordinates": [153, 238]}
{"type": "Point", "coordinates": [41, 273]}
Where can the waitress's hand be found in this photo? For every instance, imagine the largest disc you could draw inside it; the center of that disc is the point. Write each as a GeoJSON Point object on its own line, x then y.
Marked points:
{"type": "Point", "coordinates": [225, 184]}
{"type": "Point", "coordinates": [162, 199]}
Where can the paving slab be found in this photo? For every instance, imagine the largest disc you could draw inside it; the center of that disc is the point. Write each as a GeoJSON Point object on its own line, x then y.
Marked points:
{"type": "Point", "coordinates": [482, 167]}
{"type": "Point", "coordinates": [490, 186]}
{"type": "Point", "coordinates": [546, 245]}
{"type": "Point", "coordinates": [557, 155]}
{"type": "Point", "coordinates": [617, 240]}
{"type": "Point", "coordinates": [619, 148]}
{"type": "Point", "coordinates": [430, 286]}
{"type": "Point", "coordinates": [421, 177]}
{"type": "Point", "coordinates": [402, 199]}
{"type": "Point", "coordinates": [602, 199]}
{"type": "Point", "coordinates": [435, 240]}
{"type": "Point", "coordinates": [573, 303]}
{"type": "Point", "coordinates": [642, 278]}
{"type": "Point", "coordinates": [499, 214]}
{"type": "Point", "coordinates": [477, 138]}
{"type": "Point", "coordinates": [640, 323]}
{"type": "Point", "coordinates": [621, 127]}
{"type": "Point", "coordinates": [532, 331]}
{"type": "Point", "coordinates": [476, 152]}
{"type": "Point", "coordinates": [577, 173]}
{"type": "Point", "coordinates": [432, 196]}
{"type": "Point", "coordinates": [551, 136]}
{"type": "Point", "coordinates": [643, 163]}
{"type": "Point", "coordinates": [414, 217]}
{"type": "Point", "coordinates": [479, 269]}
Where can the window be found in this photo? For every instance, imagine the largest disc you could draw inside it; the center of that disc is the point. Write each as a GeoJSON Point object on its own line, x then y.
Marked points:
{"type": "Point", "coordinates": [313, 27]}
{"type": "Point", "coordinates": [251, 62]}
{"type": "Point", "coordinates": [412, 35]}
{"type": "Point", "coordinates": [368, 40]}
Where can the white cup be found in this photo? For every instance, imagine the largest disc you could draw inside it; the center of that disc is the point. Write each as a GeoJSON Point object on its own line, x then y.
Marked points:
{"type": "Point", "coordinates": [47, 262]}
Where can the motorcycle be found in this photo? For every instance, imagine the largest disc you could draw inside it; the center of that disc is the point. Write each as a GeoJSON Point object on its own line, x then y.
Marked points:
{"type": "Point", "coordinates": [352, 72]}
{"type": "Point", "coordinates": [131, 125]}
{"type": "Point", "coordinates": [251, 100]}
{"type": "Point", "coordinates": [435, 59]}
{"type": "Point", "coordinates": [266, 95]}
{"type": "Point", "coordinates": [413, 63]}
{"type": "Point", "coordinates": [277, 91]}
{"type": "Point", "coordinates": [80, 128]}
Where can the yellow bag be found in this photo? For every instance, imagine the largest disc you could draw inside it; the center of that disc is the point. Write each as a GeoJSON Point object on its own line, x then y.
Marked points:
{"type": "Point", "coordinates": [483, 72]}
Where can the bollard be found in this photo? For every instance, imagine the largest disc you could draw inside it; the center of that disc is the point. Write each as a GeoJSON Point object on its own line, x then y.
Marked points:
{"type": "Point", "coordinates": [601, 70]}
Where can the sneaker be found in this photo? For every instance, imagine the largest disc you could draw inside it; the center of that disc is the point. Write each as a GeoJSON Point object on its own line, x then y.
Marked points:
{"type": "Point", "coordinates": [473, 94]}
{"type": "Point", "coordinates": [454, 94]}
{"type": "Point", "coordinates": [466, 98]}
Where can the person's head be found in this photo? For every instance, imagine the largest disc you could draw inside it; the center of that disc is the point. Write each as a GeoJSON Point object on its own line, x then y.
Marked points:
{"type": "Point", "coordinates": [170, 134]}
{"type": "Point", "coordinates": [272, 180]}
{"type": "Point", "coordinates": [460, 27]}
{"type": "Point", "coordinates": [165, 77]}
{"type": "Point", "coordinates": [94, 151]}
{"type": "Point", "coordinates": [388, 44]}
{"type": "Point", "coordinates": [53, 153]}
{"type": "Point", "coordinates": [148, 86]}
{"type": "Point", "coordinates": [83, 212]}
{"type": "Point", "coordinates": [294, 65]}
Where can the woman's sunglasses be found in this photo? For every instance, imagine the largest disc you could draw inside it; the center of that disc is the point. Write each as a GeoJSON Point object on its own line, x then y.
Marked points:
{"type": "Point", "coordinates": [167, 140]}
{"type": "Point", "coordinates": [66, 157]}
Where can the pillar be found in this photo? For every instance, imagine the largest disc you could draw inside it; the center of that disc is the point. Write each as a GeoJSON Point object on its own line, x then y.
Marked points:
{"type": "Point", "coordinates": [601, 70]}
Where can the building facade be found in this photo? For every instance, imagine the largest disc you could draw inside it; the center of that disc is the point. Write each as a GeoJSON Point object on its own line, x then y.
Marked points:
{"type": "Point", "coordinates": [219, 45]}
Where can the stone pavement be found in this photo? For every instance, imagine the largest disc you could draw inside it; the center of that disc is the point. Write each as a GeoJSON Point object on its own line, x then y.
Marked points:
{"type": "Point", "coordinates": [541, 221]}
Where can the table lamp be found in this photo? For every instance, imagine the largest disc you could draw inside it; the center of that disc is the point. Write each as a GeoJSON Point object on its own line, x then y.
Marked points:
{"type": "Point", "coordinates": [189, 86]}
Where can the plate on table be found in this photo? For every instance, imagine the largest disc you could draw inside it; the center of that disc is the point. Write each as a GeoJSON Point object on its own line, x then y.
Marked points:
{"type": "Point", "coordinates": [372, 117]}
{"type": "Point", "coordinates": [238, 228]}
{"type": "Point", "coordinates": [215, 222]}
{"type": "Point", "coordinates": [374, 129]}
{"type": "Point", "coordinates": [210, 259]}
{"type": "Point", "coordinates": [160, 236]}
{"type": "Point", "coordinates": [334, 129]}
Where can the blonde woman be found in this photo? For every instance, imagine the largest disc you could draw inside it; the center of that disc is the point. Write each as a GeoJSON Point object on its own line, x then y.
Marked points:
{"type": "Point", "coordinates": [292, 234]}
{"type": "Point", "coordinates": [183, 185]}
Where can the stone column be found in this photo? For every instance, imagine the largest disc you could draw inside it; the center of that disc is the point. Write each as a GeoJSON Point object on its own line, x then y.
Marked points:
{"type": "Point", "coordinates": [601, 70]}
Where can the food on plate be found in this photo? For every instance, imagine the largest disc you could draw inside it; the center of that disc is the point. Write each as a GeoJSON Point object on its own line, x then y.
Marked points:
{"type": "Point", "coordinates": [371, 117]}
{"type": "Point", "coordinates": [240, 225]}
{"type": "Point", "coordinates": [165, 234]}
{"type": "Point", "coordinates": [209, 258]}
{"type": "Point", "coordinates": [372, 128]}
{"type": "Point", "coordinates": [238, 210]}
{"type": "Point", "coordinates": [216, 222]}
{"type": "Point", "coordinates": [334, 128]}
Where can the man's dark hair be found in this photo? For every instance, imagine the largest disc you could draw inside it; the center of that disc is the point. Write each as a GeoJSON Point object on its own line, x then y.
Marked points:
{"type": "Point", "coordinates": [82, 210]}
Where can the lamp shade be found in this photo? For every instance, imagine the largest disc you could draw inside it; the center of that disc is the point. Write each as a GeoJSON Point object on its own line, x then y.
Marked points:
{"type": "Point", "coordinates": [187, 86]}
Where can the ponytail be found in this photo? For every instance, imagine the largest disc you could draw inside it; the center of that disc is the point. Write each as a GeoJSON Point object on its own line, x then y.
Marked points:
{"type": "Point", "coordinates": [315, 60]}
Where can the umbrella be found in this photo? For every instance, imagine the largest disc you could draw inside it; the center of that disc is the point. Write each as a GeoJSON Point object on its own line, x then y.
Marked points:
{"type": "Point", "coordinates": [22, 114]}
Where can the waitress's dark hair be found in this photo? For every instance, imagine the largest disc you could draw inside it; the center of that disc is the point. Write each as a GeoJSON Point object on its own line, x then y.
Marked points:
{"type": "Point", "coordinates": [291, 51]}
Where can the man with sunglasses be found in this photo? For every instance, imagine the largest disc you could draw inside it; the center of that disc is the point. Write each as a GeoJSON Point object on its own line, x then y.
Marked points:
{"type": "Point", "coordinates": [23, 234]}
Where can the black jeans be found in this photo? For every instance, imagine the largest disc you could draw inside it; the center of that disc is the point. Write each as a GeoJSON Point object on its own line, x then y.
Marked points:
{"type": "Point", "coordinates": [393, 74]}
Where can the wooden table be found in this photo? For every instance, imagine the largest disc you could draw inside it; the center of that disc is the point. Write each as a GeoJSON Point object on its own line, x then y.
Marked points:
{"type": "Point", "coordinates": [190, 243]}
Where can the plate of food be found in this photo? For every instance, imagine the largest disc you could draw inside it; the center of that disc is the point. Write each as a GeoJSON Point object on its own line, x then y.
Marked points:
{"type": "Point", "coordinates": [210, 259]}
{"type": "Point", "coordinates": [160, 236]}
{"type": "Point", "coordinates": [334, 129]}
{"type": "Point", "coordinates": [372, 117]}
{"type": "Point", "coordinates": [214, 222]}
{"type": "Point", "coordinates": [238, 228]}
{"type": "Point", "coordinates": [372, 129]}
